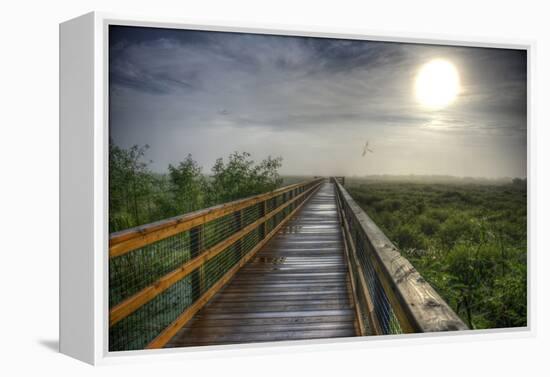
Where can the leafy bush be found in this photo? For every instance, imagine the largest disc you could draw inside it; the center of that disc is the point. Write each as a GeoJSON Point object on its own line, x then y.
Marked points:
{"type": "Point", "coordinates": [457, 228]}
{"type": "Point", "coordinates": [387, 205]}
{"type": "Point", "coordinates": [469, 242]}
{"type": "Point", "coordinates": [386, 220]}
{"type": "Point", "coordinates": [407, 237]}
{"type": "Point", "coordinates": [138, 196]}
{"type": "Point", "coordinates": [438, 215]}
{"type": "Point", "coordinates": [509, 306]}
{"type": "Point", "coordinates": [240, 177]}
{"type": "Point", "coordinates": [188, 186]}
{"type": "Point", "coordinates": [428, 226]}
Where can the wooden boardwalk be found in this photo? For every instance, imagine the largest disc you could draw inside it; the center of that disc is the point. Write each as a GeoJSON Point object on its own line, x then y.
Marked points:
{"type": "Point", "coordinates": [296, 287]}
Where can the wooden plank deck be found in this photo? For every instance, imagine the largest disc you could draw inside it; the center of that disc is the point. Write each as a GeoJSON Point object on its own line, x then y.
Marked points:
{"type": "Point", "coordinates": [296, 287]}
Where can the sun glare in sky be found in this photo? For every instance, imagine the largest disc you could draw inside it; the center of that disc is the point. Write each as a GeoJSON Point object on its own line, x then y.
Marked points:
{"type": "Point", "coordinates": [437, 84]}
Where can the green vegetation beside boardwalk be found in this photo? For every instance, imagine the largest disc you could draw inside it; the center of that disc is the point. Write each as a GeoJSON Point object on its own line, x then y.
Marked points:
{"type": "Point", "coordinates": [139, 196]}
{"type": "Point", "coordinates": [467, 238]}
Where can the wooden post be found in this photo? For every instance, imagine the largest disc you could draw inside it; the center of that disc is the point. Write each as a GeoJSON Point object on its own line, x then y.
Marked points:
{"type": "Point", "coordinates": [237, 216]}
{"type": "Point", "coordinates": [197, 276]}
{"type": "Point", "coordinates": [263, 212]}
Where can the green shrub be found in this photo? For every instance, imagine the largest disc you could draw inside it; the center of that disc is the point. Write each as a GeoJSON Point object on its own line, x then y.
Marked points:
{"type": "Point", "coordinates": [387, 221]}
{"type": "Point", "coordinates": [507, 305]}
{"type": "Point", "coordinates": [457, 228]}
{"type": "Point", "coordinates": [390, 205]}
{"type": "Point", "coordinates": [428, 226]}
{"type": "Point", "coordinates": [437, 214]}
{"type": "Point", "coordinates": [407, 237]}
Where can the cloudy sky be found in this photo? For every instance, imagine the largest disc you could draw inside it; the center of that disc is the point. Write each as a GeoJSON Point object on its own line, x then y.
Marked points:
{"type": "Point", "coordinates": [315, 102]}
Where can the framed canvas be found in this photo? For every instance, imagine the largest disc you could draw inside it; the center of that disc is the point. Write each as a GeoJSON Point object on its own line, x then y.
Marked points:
{"type": "Point", "coordinates": [236, 188]}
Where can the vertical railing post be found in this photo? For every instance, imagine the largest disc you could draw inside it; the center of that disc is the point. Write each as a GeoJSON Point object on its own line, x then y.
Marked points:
{"type": "Point", "coordinates": [237, 217]}
{"type": "Point", "coordinates": [197, 276]}
{"type": "Point", "coordinates": [263, 212]}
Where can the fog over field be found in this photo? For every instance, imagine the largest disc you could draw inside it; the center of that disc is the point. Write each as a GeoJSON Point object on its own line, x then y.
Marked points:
{"type": "Point", "coordinates": [315, 102]}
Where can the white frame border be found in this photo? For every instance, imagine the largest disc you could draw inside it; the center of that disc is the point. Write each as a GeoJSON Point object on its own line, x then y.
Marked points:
{"type": "Point", "coordinates": [100, 174]}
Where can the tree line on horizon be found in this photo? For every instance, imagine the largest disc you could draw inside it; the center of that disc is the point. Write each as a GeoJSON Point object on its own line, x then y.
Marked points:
{"type": "Point", "coordinates": [138, 196]}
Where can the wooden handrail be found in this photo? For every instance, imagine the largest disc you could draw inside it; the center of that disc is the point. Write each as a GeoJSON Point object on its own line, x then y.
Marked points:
{"type": "Point", "coordinates": [130, 239]}
{"type": "Point", "coordinates": [417, 306]}
{"type": "Point", "coordinates": [134, 302]}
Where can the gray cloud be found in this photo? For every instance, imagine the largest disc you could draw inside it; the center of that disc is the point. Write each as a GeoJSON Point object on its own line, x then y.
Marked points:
{"type": "Point", "coordinates": [313, 101]}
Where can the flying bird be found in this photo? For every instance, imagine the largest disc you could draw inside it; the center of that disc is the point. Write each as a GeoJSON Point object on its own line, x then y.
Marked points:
{"type": "Point", "coordinates": [366, 148]}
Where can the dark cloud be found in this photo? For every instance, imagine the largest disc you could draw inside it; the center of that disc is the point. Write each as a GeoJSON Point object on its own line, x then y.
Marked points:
{"type": "Point", "coordinates": [183, 91]}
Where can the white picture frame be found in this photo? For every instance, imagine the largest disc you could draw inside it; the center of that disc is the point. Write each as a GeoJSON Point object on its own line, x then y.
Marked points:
{"type": "Point", "coordinates": [84, 187]}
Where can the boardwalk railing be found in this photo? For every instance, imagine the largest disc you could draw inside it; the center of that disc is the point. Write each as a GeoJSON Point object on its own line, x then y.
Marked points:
{"type": "Point", "coordinates": [162, 274]}
{"type": "Point", "coordinates": [390, 295]}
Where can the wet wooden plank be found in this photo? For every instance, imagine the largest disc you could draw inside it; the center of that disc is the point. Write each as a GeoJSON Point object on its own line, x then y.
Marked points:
{"type": "Point", "coordinates": [296, 287]}
{"type": "Point", "coordinates": [270, 308]}
{"type": "Point", "coordinates": [300, 296]}
{"type": "Point", "coordinates": [216, 321]}
{"type": "Point", "coordinates": [265, 336]}
{"type": "Point", "coordinates": [296, 315]}
{"type": "Point", "coordinates": [237, 328]}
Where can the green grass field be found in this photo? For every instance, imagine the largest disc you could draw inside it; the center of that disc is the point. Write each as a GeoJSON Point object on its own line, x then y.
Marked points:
{"type": "Point", "coordinates": [468, 239]}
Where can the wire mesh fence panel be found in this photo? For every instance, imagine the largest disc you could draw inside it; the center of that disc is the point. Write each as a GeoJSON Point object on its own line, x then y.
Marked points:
{"type": "Point", "coordinates": [135, 270]}
{"type": "Point", "coordinates": [362, 303]}
{"type": "Point", "coordinates": [218, 230]}
{"type": "Point", "coordinates": [141, 327]}
{"type": "Point", "coordinates": [383, 312]}
{"type": "Point", "coordinates": [380, 302]}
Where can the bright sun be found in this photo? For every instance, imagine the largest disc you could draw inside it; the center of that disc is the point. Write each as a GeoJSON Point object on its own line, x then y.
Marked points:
{"type": "Point", "coordinates": [437, 84]}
